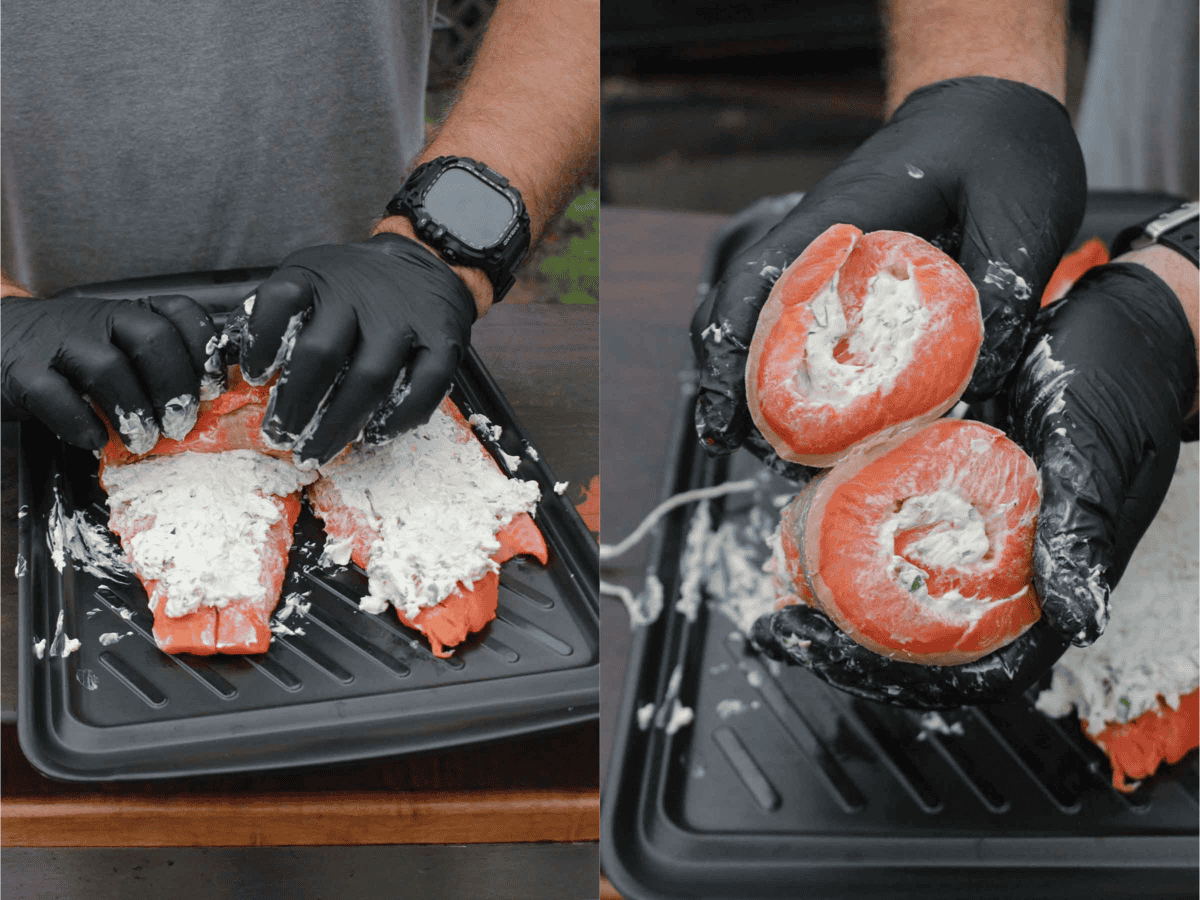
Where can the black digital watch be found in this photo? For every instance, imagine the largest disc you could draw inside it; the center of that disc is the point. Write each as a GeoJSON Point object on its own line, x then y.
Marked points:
{"type": "Point", "coordinates": [470, 214]}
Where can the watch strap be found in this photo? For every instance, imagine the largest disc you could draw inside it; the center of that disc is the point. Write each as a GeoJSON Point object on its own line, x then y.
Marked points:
{"type": "Point", "coordinates": [1178, 229]}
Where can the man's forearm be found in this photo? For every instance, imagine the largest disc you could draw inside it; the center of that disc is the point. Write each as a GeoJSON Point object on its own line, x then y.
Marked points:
{"type": "Point", "coordinates": [9, 287]}
{"type": "Point", "coordinates": [530, 108]}
{"type": "Point", "coordinates": [931, 40]}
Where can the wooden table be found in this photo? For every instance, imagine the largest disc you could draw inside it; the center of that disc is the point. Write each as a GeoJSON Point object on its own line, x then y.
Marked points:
{"type": "Point", "coordinates": [538, 788]}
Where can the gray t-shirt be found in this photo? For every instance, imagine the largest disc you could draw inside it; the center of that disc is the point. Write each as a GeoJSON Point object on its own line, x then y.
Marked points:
{"type": "Point", "coordinates": [147, 137]}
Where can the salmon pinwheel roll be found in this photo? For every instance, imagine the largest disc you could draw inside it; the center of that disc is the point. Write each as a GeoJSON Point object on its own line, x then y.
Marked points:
{"type": "Point", "coordinates": [862, 335]}
{"type": "Point", "coordinates": [921, 547]}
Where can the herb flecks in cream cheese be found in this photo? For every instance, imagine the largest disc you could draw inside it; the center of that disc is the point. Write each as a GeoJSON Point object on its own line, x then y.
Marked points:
{"type": "Point", "coordinates": [878, 340]}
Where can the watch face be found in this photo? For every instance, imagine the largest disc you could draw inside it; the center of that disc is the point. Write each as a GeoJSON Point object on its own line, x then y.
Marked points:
{"type": "Point", "coordinates": [470, 208]}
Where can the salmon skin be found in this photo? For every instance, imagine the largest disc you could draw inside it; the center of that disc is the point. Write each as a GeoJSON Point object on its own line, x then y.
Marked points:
{"type": "Point", "coordinates": [230, 427]}
{"type": "Point", "coordinates": [862, 335]}
{"type": "Point", "coordinates": [366, 532]}
{"type": "Point", "coordinates": [921, 548]}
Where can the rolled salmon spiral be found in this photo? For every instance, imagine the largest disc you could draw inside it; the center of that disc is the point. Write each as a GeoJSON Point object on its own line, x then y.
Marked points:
{"type": "Point", "coordinates": [863, 335]}
{"type": "Point", "coordinates": [920, 548]}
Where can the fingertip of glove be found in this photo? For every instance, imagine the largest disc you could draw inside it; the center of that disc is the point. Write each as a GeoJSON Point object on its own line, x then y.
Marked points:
{"type": "Point", "coordinates": [763, 639]}
{"type": "Point", "coordinates": [94, 439]}
{"type": "Point", "coordinates": [712, 425]}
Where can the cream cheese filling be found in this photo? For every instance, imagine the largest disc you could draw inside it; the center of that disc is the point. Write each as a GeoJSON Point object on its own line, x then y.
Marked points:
{"type": "Point", "coordinates": [881, 338]}
{"type": "Point", "coordinates": [958, 537]}
{"type": "Point", "coordinates": [1149, 648]}
{"type": "Point", "coordinates": [437, 505]}
{"type": "Point", "coordinates": [211, 515]}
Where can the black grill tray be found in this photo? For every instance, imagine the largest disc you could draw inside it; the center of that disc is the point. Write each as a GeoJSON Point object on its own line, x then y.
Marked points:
{"type": "Point", "coordinates": [354, 686]}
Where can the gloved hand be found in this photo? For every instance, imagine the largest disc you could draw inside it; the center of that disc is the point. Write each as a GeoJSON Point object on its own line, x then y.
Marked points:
{"type": "Point", "coordinates": [141, 361]}
{"type": "Point", "coordinates": [807, 637]}
{"type": "Point", "coordinates": [987, 169]}
{"type": "Point", "coordinates": [368, 336]}
{"type": "Point", "coordinates": [1098, 401]}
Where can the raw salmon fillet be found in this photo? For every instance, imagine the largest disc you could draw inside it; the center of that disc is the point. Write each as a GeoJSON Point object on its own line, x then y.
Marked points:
{"type": "Point", "coordinates": [199, 617]}
{"type": "Point", "coordinates": [862, 335]}
{"type": "Point", "coordinates": [231, 424]}
{"type": "Point", "coordinates": [1161, 735]}
{"type": "Point", "coordinates": [921, 548]}
{"type": "Point", "coordinates": [363, 526]}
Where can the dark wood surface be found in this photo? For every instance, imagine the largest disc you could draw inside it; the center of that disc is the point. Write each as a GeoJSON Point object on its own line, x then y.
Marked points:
{"type": "Point", "coordinates": [650, 264]}
{"type": "Point", "coordinates": [541, 787]}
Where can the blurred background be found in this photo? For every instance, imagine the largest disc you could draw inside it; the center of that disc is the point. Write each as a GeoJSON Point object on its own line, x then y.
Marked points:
{"type": "Point", "coordinates": [708, 106]}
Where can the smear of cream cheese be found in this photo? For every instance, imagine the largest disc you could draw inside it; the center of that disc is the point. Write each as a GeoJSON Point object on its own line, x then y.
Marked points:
{"type": "Point", "coordinates": [681, 716]}
{"type": "Point", "coordinates": [882, 338]}
{"type": "Point", "coordinates": [691, 562]}
{"type": "Point", "coordinates": [61, 644]}
{"type": "Point", "coordinates": [89, 546]}
{"type": "Point", "coordinates": [645, 715]}
{"type": "Point", "coordinates": [375, 432]}
{"type": "Point", "coordinates": [138, 430]}
{"type": "Point", "coordinates": [211, 515]}
{"type": "Point", "coordinates": [286, 344]}
{"type": "Point", "coordinates": [484, 426]}
{"type": "Point", "coordinates": [437, 505]}
{"type": "Point", "coordinates": [933, 722]}
{"type": "Point", "coordinates": [510, 462]}
{"type": "Point", "coordinates": [179, 416]}
{"type": "Point", "coordinates": [727, 708]}
{"type": "Point", "coordinates": [1001, 274]}
{"type": "Point", "coordinates": [212, 382]}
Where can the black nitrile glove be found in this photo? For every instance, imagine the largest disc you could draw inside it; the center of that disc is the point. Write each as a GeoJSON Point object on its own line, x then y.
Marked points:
{"type": "Point", "coordinates": [807, 637]}
{"type": "Point", "coordinates": [1099, 402]}
{"type": "Point", "coordinates": [987, 169]}
{"type": "Point", "coordinates": [141, 361]}
{"type": "Point", "coordinates": [378, 327]}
